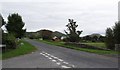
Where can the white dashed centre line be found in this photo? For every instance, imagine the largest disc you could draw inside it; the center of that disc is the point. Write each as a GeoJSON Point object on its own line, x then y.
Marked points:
{"type": "Point", "coordinates": [73, 65]}
{"type": "Point", "coordinates": [65, 66]}
{"type": "Point", "coordinates": [57, 60]}
{"type": "Point", "coordinates": [46, 56]}
{"type": "Point", "coordinates": [43, 54]}
{"type": "Point", "coordinates": [54, 60]}
{"type": "Point", "coordinates": [66, 62]}
{"type": "Point", "coordinates": [58, 63]}
{"type": "Point", "coordinates": [52, 56]}
{"type": "Point", "coordinates": [60, 59]}
{"type": "Point", "coordinates": [49, 58]}
{"type": "Point", "coordinates": [40, 53]}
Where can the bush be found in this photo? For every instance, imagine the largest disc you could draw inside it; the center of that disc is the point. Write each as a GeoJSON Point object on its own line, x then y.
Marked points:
{"type": "Point", "coordinates": [65, 40]}
{"type": "Point", "coordinates": [10, 41]}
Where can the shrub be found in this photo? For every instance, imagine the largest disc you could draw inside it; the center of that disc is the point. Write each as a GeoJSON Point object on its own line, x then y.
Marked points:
{"type": "Point", "coordinates": [65, 40]}
{"type": "Point", "coordinates": [10, 41]}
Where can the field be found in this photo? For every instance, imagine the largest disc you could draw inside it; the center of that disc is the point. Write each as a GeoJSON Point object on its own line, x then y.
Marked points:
{"type": "Point", "coordinates": [81, 49]}
{"type": "Point", "coordinates": [97, 44]}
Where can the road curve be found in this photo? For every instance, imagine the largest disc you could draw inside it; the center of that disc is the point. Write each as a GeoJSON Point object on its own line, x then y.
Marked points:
{"type": "Point", "coordinates": [49, 56]}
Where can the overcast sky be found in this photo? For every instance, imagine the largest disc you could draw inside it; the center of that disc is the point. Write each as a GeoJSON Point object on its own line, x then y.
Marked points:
{"type": "Point", "coordinates": [92, 16]}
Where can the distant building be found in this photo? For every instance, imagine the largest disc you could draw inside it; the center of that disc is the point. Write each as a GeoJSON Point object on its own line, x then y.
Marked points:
{"type": "Point", "coordinates": [63, 37]}
{"type": "Point", "coordinates": [55, 38]}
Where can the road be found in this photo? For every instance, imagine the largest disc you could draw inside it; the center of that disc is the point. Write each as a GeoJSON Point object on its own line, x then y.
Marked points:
{"type": "Point", "coordinates": [49, 56]}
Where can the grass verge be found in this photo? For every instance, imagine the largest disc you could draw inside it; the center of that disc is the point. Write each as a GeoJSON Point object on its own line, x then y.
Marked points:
{"type": "Point", "coordinates": [97, 44]}
{"type": "Point", "coordinates": [21, 50]}
{"type": "Point", "coordinates": [80, 49]}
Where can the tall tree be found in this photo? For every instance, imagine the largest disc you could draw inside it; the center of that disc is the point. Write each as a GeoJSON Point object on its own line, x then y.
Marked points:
{"type": "Point", "coordinates": [88, 38]}
{"type": "Point", "coordinates": [2, 36]}
{"type": "Point", "coordinates": [2, 22]}
{"type": "Point", "coordinates": [95, 38]}
{"type": "Point", "coordinates": [109, 39]}
{"type": "Point", "coordinates": [116, 30]}
{"type": "Point", "coordinates": [73, 34]}
{"type": "Point", "coordinates": [1, 32]}
{"type": "Point", "coordinates": [102, 39]}
{"type": "Point", "coordinates": [15, 25]}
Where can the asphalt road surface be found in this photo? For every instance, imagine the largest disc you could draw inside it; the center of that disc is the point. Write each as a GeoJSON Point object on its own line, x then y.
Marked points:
{"type": "Point", "coordinates": [49, 56]}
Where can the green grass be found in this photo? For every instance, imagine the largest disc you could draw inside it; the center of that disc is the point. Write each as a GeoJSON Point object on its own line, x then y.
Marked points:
{"type": "Point", "coordinates": [91, 50]}
{"type": "Point", "coordinates": [21, 50]}
{"type": "Point", "coordinates": [79, 49]}
{"type": "Point", "coordinates": [97, 44]}
{"type": "Point", "coordinates": [52, 42]}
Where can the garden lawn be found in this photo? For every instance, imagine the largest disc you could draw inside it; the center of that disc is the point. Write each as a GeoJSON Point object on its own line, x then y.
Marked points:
{"type": "Point", "coordinates": [21, 50]}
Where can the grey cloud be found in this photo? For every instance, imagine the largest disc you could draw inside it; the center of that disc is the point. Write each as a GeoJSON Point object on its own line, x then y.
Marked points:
{"type": "Point", "coordinates": [54, 15]}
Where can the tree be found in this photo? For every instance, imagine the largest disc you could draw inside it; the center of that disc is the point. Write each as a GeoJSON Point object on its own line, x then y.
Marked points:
{"type": "Point", "coordinates": [102, 39]}
{"type": "Point", "coordinates": [94, 38]}
{"type": "Point", "coordinates": [15, 25]}
{"type": "Point", "coordinates": [46, 34]}
{"type": "Point", "coordinates": [109, 39]}
{"type": "Point", "coordinates": [3, 22]}
{"type": "Point", "coordinates": [88, 38]}
{"type": "Point", "coordinates": [1, 31]}
{"type": "Point", "coordinates": [72, 35]}
{"type": "Point", "coordinates": [116, 30]}
{"type": "Point", "coordinates": [7, 38]}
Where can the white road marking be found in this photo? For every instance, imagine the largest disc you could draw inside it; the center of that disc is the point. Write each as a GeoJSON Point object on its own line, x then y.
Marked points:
{"type": "Point", "coordinates": [60, 60]}
{"type": "Point", "coordinates": [46, 56]}
{"type": "Point", "coordinates": [51, 55]}
{"type": "Point", "coordinates": [73, 65]}
{"type": "Point", "coordinates": [58, 63]}
{"type": "Point", "coordinates": [41, 53]}
{"type": "Point", "coordinates": [54, 60]}
{"type": "Point", "coordinates": [65, 66]}
{"type": "Point", "coordinates": [49, 58]}
{"type": "Point", "coordinates": [55, 57]}
{"type": "Point", "coordinates": [46, 53]}
{"type": "Point", "coordinates": [66, 62]}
